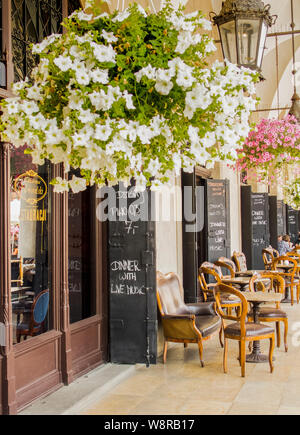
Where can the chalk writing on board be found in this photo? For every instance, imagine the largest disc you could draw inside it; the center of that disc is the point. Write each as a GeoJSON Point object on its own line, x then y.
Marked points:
{"type": "Point", "coordinates": [125, 265]}
{"type": "Point", "coordinates": [126, 289]}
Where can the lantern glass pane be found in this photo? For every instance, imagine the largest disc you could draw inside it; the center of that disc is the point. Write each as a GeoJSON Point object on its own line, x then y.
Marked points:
{"type": "Point", "coordinates": [263, 35]}
{"type": "Point", "coordinates": [228, 39]}
{"type": "Point", "coordinates": [248, 31]}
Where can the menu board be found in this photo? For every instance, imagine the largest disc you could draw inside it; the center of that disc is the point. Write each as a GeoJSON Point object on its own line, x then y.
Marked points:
{"type": "Point", "coordinates": [292, 223]}
{"type": "Point", "coordinates": [132, 279]}
{"type": "Point", "coordinates": [260, 227]}
{"type": "Point", "coordinates": [217, 220]}
{"type": "Point", "coordinates": [255, 226]}
{"type": "Point", "coordinates": [281, 217]}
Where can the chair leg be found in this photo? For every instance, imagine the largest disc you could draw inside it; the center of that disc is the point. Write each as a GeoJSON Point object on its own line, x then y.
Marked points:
{"type": "Point", "coordinates": [292, 294]}
{"type": "Point", "coordinates": [220, 336]}
{"type": "Point", "coordinates": [165, 352]}
{"type": "Point", "coordinates": [200, 347]}
{"type": "Point", "coordinates": [272, 345]}
{"type": "Point", "coordinates": [298, 293]}
{"type": "Point", "coordinates": [243, 357]}
{"type": "Point", "coordinates": [225, 354]}
{"type": "Point", "coordinates": [278, 333]}
{"type": "Point", "coordinates": [286, 327]}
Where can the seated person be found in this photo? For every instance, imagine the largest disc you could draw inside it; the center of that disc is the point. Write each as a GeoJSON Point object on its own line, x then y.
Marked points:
{"type": "Point", "coordinates": [284, 244]}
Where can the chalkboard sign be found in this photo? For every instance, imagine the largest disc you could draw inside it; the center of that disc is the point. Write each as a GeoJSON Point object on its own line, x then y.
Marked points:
{"type": "Point", "coordinates": [255, 226]}
{"type": "Point", "coordinates": [292, 221]}
{"type": "Point", "coordinates": [281, 217]}
{"type": "Point", "coordinates": [132, 279]}
{"type": "Point", "coordinates": [217, 219]}
{"type": "Point", "coordinates": [212, 240]}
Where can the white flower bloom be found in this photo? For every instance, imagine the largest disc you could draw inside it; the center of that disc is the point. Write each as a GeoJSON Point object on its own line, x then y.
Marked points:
{"type": "Point", "coordinates": [104, 53]}
{"type": "Point", "coordinates": [53, 136]}
{"type": "Point", "coordinates": [128, 98]}
{"type": "Point", "coordinates": [77, 184]}
{"type": "Point", "coordinates": [82, 16]}
{"type": "Point", "coordinates": [13, 105]}
{"type": "Point", "coordinates": [185, 79]}
{"type": "Point", "coordinates": [103, 132]}
{"type": "Point", "coordinates": [60, 185]}
{"type": "Point", "coordinates": [164, 75]}
{"type": "Point", "coordinates": [64, 63]}
{"type": "Point", "coordinates": [34, 93]}
{"type": "Point", "coordinates": [108, 36]}
{"type": "Point", "coordinates": [148, 71]}
{"type": "Point", "coordinates": [39, 48]}
{"type": "Point", "coordinates": [86, 116]}
{"type": "Point", "coordinates": [163, 87]}
{"type": "Point", "coordinates": [82, 77]}
{"type": "Point", "coordinates": [210, 46]}
{"type": "Point", "coordinates": [121, 16]}
{"type": "Point", "coordinates": [29, 107]}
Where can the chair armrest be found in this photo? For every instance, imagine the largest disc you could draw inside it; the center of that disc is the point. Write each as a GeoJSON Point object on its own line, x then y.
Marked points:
{"type": "Point", "coordinates": [202, 308]}
{"type": "Point", "coordinates": [180, 327]}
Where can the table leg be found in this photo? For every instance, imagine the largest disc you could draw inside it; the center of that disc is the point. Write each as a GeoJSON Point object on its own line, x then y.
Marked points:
{"type": "Point", "coordinates": [256, 356]}
{"type": "Point", "coordinates": [287, 299]}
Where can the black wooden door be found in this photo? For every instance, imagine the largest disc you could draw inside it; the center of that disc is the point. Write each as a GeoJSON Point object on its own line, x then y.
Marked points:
{"type": "Point", "coordinates": [132, 280]}
{"type": "Point", "coordinates": [273, 221]}
{"type": "Point", "coordinates": [211, 238]}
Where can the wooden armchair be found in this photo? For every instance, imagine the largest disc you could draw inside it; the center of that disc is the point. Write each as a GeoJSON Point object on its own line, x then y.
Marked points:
{"type": "Point", "coordinates": [184, 323]}
{"type": "Point", "coordinates": [271, 314]}
{"type": "Point", "coordinates": [241, 330]}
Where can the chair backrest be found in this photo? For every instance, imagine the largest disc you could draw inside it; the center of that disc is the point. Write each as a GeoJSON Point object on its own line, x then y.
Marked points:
{"type": "Point", "coordinates": [276, 281]}
{"type": "Point", "coordinates": [240, 261]}
{"type": "Point", "coordinates": [209, 269]}
{"type": "Point", "coordinates": [40, 307]}
{"type": "Point", "coordinates": [226, 263]}
{"type": "Point", "coordinates": [169, 293]}
{"type": "Point", "coordinates": [222, 290]}
{"type": "Point", "coordinates": [268, 255]}
{"type": "Point", "coordinates": [285, 259]}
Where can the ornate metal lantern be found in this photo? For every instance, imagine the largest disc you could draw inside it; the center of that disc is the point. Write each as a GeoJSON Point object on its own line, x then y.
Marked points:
{"type": "Point", "coordinates": [243, 26]}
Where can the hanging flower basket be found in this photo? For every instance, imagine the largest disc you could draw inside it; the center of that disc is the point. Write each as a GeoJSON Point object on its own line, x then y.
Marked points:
{"type": "Point", "coordinates": [271, 147]}
{"type": "Point", "coordinates": [129, 95]}
{"type": "Point", "coordinates": [292, 194]}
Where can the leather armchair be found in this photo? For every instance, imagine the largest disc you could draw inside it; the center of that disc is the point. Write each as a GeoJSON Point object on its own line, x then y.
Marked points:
{"type": "Point", "coordinates": [184, 323]}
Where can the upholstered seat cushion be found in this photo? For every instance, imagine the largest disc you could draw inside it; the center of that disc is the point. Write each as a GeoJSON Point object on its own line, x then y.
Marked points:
{"type": "Point", "coordinates": [207, 325]}
{"type": "Point", "coordinates": [230, 299]}
{"type": "Point", "coordinates": [198, 309]}
{"type": "Point", "coordinates": [252, 329]}
{"type": "Point", "coordinates": [269, 312]}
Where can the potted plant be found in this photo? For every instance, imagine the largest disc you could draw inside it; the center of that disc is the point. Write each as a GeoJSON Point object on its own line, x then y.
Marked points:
{"type": "Point", "coordinates": [129, 95]}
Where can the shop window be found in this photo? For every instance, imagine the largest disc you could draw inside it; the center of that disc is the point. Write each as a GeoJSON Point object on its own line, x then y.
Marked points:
{"type": "Point", "coordinates": [30, 220]}
{"type": "Point", "coordinates": [32, 20]}
{"type": "Point", "coordinates": [81, 269]}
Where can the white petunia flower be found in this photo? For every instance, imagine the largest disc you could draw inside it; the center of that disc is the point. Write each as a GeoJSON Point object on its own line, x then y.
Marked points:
{"type": "Point", "coordinates": [77, 184]}
{"type": "Point", "coordinates": [60, 185]}
{"type": "Point", "coordinates": [108, 36]}
{"type": "Point", "coordinates": [164, 87]}
{"type": "Point", "coordinates": [64, 63]}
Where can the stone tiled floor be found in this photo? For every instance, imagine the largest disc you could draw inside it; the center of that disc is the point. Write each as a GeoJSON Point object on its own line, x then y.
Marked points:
{"type": "Point", "coordinates": [181, 386]}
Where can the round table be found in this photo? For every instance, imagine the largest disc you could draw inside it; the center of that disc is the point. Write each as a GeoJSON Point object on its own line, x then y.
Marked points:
{"type": "Point", "coordinates": [257, 298]}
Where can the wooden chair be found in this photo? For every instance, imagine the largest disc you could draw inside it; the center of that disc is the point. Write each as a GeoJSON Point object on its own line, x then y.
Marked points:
{"type": "Point", "coordinates": [211, 269]}
{"type": "Point", "coordinates": [240, 261]}
{"type": "Point", "coordinates": [290, 276]}
{"type": "Point", "coordinates": [241, 330]}
{"type": "Point", "coordinates": [226, 263]}
{"type": "Point", "coordinates": [268, 256]}
{"type": "Point", "coordinates": [184, 323]}
{"type": "Point", "coordinates": [271, 314]}
{"type": "Point", "coordinates": [37, 315]}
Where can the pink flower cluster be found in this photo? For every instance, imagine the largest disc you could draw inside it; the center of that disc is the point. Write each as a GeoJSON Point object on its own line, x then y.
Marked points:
{"type": "Point", "coordinates": [272, 144]}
